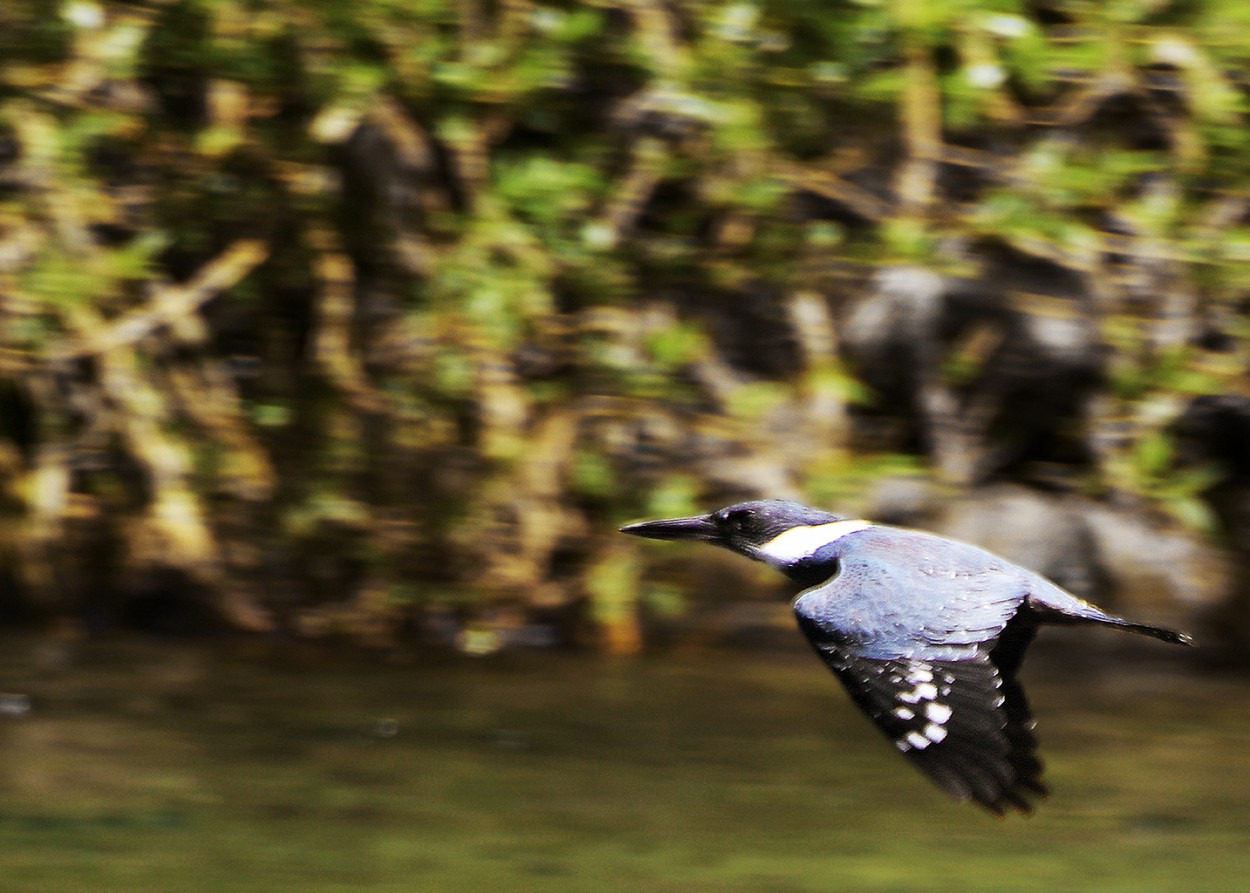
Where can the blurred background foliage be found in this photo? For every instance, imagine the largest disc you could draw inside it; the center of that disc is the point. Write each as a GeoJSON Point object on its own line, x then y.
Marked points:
{"type": "Point", "coordinates": [374, 320]}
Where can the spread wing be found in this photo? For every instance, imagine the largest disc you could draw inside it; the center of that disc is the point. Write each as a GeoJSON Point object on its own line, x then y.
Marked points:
{"type": "Point", "coordinates": [959, 722]}
{"type": "Point", "coordinates": [934, 668]}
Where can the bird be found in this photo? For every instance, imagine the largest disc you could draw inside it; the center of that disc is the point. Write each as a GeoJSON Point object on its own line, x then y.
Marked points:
{"type": "Point", "coordinates": [925, 633]}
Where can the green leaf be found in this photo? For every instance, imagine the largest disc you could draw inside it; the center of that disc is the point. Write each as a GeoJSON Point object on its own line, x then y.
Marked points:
{"type": "Point", "coordinates": [678, 344]}
{"type": "Point", "coordinates": [675, 496]}
{"type": "Point", "coordinates": [592, 473]}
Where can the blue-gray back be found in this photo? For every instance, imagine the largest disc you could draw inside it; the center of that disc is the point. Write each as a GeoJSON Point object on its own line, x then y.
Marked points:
{"type": "Point", "coordinates": [904, 593]}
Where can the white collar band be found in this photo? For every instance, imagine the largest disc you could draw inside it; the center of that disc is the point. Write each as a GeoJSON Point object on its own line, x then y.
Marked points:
{"type": "Point", "coordinates": [798, 543]}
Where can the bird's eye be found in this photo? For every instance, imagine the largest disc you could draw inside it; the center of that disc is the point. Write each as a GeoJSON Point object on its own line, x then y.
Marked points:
{"type": "Point", "coordinates": [737, 520]}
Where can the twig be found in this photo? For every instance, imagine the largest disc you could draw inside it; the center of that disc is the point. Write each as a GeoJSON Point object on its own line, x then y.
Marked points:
{"type": "Point", "coordinates": [170, 303]}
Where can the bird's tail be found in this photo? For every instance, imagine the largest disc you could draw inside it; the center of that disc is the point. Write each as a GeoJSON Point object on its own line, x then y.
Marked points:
{"type": "Point", "coordinates": [1056, 605]}
{"type": "Point", "coordinates": [1146, 629]}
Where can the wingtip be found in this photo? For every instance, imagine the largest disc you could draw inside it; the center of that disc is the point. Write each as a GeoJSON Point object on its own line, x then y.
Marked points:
{"type": "Point", "coordinates": [1014, 798]}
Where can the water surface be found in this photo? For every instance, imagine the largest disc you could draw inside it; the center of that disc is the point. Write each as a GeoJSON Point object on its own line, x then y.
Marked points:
{"type": "Point", "coordinates": [142, 767]}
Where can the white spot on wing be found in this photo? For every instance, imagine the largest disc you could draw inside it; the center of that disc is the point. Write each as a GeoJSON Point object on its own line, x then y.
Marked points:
{"type": "Point", "coordinates": [924, 691]}
{"type": "Point", "coordinates": [798, 543]}
{"type": "Point", "coordinates": [918, 741]}
{"type": "Point", "coordinates": [934, 732]}
{"type": "Point", "coordinates": [919, 673]}
{"type": "Point", "coordinates": [938, 713]}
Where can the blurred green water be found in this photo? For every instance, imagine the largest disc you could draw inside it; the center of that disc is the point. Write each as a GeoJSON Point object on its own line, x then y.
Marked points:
{"type": "Point", "coordinates": [146, 768]}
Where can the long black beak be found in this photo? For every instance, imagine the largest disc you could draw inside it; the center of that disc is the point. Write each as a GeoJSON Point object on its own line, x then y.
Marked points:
{"type": "Point", "coordinates": [700, 527]}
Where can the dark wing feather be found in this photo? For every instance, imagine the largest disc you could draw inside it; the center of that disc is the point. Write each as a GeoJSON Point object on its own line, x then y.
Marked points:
{"type": "Point", "coordinates": [957, 721]}
{"type": "Point", "coordinates": [927, 634]}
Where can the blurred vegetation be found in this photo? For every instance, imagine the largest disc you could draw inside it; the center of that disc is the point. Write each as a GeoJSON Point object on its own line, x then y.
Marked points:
{"type": "Point", "coordinates": [332, 318]}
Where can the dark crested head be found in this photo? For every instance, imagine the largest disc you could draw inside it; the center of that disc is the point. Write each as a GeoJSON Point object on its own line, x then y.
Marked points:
{"type": "Point", "coordinates": [743, 527]}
